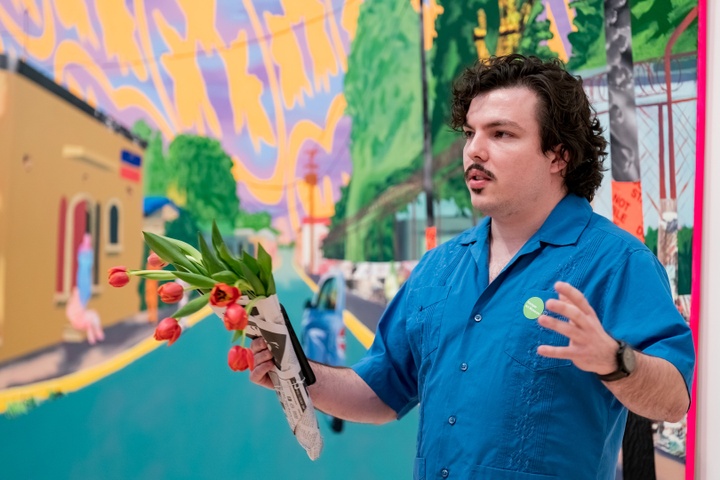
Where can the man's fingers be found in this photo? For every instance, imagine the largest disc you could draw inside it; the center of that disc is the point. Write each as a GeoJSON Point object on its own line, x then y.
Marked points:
{"type": "Point", "coordinates": [259, 376]}
{"type": "Point", "coordinates": [575, 296]}
{"type": "Point", "coordinates": [262, 356]}
{"type": "Point", "coordinates": [258, 345]}
{"type": "Point", "coordinates": [566, 309]}
{"type": "Point", "coordinates": [561, 327]}
{"type": "Point", "coordinates": [554, 352]}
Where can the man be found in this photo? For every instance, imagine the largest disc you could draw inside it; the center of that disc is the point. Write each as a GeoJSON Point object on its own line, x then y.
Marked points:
{"type": "Point", "coordinates": [525, 339]}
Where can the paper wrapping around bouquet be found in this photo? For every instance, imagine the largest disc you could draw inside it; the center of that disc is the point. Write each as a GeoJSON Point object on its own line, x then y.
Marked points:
{"type": "Point", "coordinates": [267, 321]}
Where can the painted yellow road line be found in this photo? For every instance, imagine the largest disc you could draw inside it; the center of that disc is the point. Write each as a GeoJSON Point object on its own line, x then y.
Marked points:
{"type": "Point", "coordinates": [72, 382]}
{"type": "Point", "coordinates": [363, 334]}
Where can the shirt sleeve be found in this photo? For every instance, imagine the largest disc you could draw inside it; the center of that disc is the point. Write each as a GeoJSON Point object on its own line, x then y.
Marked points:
{"type": "Point", "coordinates": [639, 309]}
{"type": "Point", "coordinates": [389, 366]}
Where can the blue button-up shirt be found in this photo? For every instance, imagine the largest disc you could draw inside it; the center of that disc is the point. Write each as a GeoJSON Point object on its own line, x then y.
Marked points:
{"type": "Point", "coordinates": [466, 350]}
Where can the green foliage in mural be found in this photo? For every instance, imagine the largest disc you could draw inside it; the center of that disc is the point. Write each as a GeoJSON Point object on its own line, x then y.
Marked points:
{"type": "Point", "coordinates": [588, 42]}
{"type": "Point", "coordinates": [254, 221]}
{"type": "Point", "coordinates": [684, 240]}
{"type": "Point", "coordinates": [336, 249]}
{"type": "Point", "coordinates": [535, 33]}
{"type": "Point", "coordinates": [454, 50]}
{"type": "Point", "coordinates": [450, 182]}
{"type": "Point", "coordinates": [379, 241]}
{"type": "Point", "coordinates": [383, 91]}
{"type": "Point", "coordinates": [155, 175]}
{"type": "Point", "coordinates": [201, 181]}
{"type": "Point", "coordinates": [654, 21]}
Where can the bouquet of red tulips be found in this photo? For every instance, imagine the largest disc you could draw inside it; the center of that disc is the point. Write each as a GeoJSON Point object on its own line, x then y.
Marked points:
{"type": "Point", "coordinates": [241, 291]}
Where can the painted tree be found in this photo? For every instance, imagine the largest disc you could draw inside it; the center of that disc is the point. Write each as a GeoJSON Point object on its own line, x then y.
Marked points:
{"type": "Point", "coordinates": [588, 41]}
{"type": "Point", "coordinates": [201, 181]}
{"type": "Point", "coordinates": [155, 175]}
{"type": "Point", "coordinates": [654, 21]}
{"type": "Point", "coordinates": [383, 93]}
{"type": "Point", "coordinates": [535, 34]}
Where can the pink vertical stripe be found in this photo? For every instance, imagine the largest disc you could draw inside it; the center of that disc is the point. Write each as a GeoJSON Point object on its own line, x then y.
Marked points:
{"type": "Point", "coordinates": [697, 230]}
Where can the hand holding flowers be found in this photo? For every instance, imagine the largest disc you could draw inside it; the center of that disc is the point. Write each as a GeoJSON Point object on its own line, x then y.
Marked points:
{"type": "Point", "coordinates": [221, 278]}
{"type": "Point", "coordinates": [241, 291]}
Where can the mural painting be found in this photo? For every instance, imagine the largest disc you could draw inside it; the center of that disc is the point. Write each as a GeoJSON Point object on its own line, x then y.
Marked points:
{"type": "Point", "coordinates": [298, 126]}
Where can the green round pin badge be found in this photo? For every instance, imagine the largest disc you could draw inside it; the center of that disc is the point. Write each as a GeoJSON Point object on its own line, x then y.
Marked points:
{"type": "Point", "coordinates": [533, 307]}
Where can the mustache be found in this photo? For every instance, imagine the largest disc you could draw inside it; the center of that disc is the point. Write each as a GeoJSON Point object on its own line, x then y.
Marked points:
{"type": "Point", "coordinates": [477, 166]}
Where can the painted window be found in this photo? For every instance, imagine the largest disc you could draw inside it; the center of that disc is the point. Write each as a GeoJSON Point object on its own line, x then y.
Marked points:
{"type": "Point", "coordinates": [114, 227]}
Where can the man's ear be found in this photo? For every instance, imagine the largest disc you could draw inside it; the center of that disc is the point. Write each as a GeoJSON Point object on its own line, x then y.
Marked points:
{"type": "Point", "coordinates": [559, 159]}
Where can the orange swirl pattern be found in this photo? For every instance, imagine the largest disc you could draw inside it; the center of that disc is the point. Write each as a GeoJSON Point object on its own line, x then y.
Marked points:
{"type": "Point", "coordinates": [262, 76]}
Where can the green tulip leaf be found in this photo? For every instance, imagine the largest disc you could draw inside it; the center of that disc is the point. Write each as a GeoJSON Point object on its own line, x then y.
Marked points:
{"type": "Point", "coordinates": [268, 281]}
{"type": "Point", "coordinates": [264, 259]}
{"type": "Point", "coordinates": [217, 239]}
{"type": "Point", "coordinates": [258, 288]}
{"type": "Point", "coordinates": [231, 262]}
{"type": "Point", "coordinates": [186, 248]}
{"type": "Point", "coordinates": [192, 306]}
{"type": "Point", "coordinates": [209, 259]}
{"type": "Point", "coordinates": [198, 281]}
{"type": "Point", "coordinates": [266, 275]}
{"type": "Point", "coordinates": [237, 334]}
{"type": "Point", "coordinates": [250, 261]}
{"type": "Point", "coordinates": [225, 276]}
{"type": "Point", "coordinates": [169, 252]}
{"type": "Point", "coordinates": [153, 274]}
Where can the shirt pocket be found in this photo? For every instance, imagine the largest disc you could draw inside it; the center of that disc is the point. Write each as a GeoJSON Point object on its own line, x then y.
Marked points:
{"type": "Point", "coordinates": [526, 334]}
{"type": "Point", "coordinates": [425, 317]}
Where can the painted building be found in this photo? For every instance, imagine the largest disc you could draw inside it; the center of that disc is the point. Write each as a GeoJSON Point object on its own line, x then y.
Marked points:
{"type": "Point", "coordinates": [66, 170]}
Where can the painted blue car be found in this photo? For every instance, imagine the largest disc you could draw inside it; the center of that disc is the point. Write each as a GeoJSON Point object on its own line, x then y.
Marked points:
{"type": "Point", "coordinates": [323, 330]}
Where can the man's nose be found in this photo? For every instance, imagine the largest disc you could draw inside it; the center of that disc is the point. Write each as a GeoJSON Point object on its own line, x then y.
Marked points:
{"type": "Point", "coordinates": [476, 149]}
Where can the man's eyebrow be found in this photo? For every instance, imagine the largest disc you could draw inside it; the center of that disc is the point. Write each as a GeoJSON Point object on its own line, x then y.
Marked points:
{"type": "Point", "coordinates": [503, 123]}
{"type": "Point", "coordinates": [498, 123]}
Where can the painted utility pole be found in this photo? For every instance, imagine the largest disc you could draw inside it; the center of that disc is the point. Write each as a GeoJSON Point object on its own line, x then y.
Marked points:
{"type": "Point", "coordinates": [311, 179]}
{"type": "Point", "coordinates": [637, 444]}
{"type": "Point", "coordinates": [430, 229]}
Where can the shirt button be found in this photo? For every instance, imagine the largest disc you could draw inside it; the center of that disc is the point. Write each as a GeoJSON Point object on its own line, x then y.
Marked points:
{"type": "Point", "coordinates": [451, 420]}
{"type": "Point", "coordinates": [445, 473]}
{"type": "Point", "coordinates": [478, 317]}
{"type": "Point", "coordinates": [463, 366]}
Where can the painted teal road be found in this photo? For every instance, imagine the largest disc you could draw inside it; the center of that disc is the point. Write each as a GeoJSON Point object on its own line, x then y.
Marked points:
{"type": "Point", "coordinates": [180, 413]}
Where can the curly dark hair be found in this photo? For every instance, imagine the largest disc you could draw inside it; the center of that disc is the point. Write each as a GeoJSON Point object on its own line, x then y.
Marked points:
{"type": "Point", "coordinates": [564, 114]}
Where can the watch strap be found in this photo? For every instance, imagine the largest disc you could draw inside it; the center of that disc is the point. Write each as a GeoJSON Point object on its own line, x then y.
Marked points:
{"type": "Point", "coordinates": [621, 371]}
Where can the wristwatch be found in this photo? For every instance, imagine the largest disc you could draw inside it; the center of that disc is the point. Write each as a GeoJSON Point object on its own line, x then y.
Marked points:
{"type": "Point", "coordinates": [625, 358]}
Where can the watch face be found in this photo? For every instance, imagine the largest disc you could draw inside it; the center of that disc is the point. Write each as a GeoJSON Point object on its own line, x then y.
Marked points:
{"type": "Point", "coordinates": [628, 359]}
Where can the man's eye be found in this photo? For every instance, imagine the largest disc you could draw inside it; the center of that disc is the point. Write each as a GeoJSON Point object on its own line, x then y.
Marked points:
{"type": "Point", "coordinates": [467, 133]}
{"type": "Point", "coordinates": [502, 134]}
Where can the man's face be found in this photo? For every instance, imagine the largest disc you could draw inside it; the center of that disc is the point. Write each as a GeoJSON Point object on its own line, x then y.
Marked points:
{"type": "Point", "coordinates": [505, 169]}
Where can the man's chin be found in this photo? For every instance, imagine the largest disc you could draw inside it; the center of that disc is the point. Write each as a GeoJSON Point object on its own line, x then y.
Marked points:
{"type": "Point", "coordinates": [480, 202]}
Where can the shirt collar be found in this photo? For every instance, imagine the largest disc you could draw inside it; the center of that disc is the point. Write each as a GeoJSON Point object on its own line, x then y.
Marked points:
{"type": "Point", "coordinates": [566, 222]}
{"type": "Point", "coordinates": [562, 227]}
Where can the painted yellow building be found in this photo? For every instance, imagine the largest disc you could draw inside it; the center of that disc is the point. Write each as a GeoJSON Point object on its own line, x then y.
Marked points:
{"type": "Point", "coordinates": [65, 170]}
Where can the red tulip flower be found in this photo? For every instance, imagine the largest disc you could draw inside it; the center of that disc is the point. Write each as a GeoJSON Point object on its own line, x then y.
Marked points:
{"type": "Point", "coordinates": [118, 276]}
{"type": "Point", "coordinates": [168, 329]}
{"type": "Point", "coordinates": [223, 295]}
{"type": "Point", "coordinates": [240, 358]}
{"type": "Point", "coordinates": [235, 318]}
{"type": "Point", "coordinates": [171, 292]}
{"type": "Point", "coordinates": [154, 261]}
